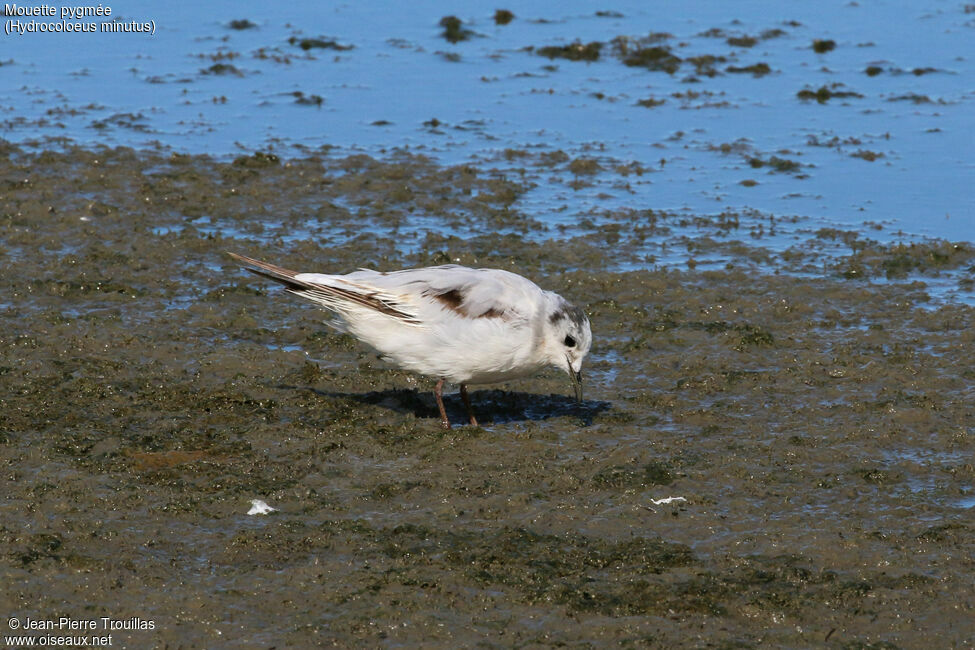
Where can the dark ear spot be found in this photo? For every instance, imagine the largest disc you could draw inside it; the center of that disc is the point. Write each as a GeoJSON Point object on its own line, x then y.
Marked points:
{"type": "Point", "coordinates": [569, 341]}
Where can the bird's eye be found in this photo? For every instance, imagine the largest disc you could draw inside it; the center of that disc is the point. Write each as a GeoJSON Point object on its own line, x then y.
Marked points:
{"type": "Point", "coordinates": [569, 342]}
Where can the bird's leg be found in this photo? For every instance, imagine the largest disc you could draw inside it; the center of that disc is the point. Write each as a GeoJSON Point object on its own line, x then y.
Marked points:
{"type": "Point", "coordinates": [467, 404]}
{"type": "Point", "coordinates": [438, 393]}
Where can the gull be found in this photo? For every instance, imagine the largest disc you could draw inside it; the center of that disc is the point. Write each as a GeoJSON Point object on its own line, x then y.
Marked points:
{"type": "Point", "coordinates": [452, 323]}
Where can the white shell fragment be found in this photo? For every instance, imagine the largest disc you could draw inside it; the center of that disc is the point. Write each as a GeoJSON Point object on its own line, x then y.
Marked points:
{"type": "Point", "coordinates": [666, 500]}
{"type": "Point", "coordinates": [259, 507]}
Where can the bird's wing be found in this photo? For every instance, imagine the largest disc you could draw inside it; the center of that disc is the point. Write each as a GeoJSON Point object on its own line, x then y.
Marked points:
{"type": "Point", "coordinates": [470, 293]}
{"type": "Point", "coordinates": [332, 291]}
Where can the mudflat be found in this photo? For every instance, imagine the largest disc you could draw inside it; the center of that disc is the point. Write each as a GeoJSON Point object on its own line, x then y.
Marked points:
{"type": "Point", "coordinates": [817, 426]}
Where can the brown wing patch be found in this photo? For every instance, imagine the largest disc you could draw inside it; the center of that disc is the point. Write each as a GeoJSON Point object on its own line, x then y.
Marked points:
{"type": "Point", "coordinates": [454, 301]}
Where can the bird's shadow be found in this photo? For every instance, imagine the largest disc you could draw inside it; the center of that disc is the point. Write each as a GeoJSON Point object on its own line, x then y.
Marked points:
{"type": "Point", "coordinates": [490, 406]}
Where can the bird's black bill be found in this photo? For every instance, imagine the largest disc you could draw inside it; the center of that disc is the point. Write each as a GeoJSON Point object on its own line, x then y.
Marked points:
{"type": "Point", "coordinates": [577, 384]}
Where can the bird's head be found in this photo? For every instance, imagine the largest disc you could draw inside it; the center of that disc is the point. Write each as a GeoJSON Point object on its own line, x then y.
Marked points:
{"type": "Point", "coordinates": [568, 338]}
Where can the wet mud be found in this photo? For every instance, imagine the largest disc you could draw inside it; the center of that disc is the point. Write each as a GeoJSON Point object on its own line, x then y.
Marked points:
{"type": "Point", "coordinates": [814, 415]}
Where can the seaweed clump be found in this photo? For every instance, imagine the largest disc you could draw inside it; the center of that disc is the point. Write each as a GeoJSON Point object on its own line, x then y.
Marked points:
{"type": "Point", "coordinates": [756, 69]}
{"type": "Point", "coordinates": [650, 102]}
{"type": "Point", "coordinates": [777, 164]}
{"type": "Point", "coordinates": [825, 93]}
{"type": "Point", "coordinates": [454, 30]}
{"type": "Point", "coordinates": [503, 17]}
{"type": "Point", "coordinates": [655, 57]}
{"type": "Point", "coordinates": [576, 51]}
{"type": "Point", "coordinates": [823, 45]}
{"type": "Point", "coordinates": [241, 24]}
{"type": "Point", "coordinates": [742, 41]}
{"type": "Point", "coordinates": [318, 43]}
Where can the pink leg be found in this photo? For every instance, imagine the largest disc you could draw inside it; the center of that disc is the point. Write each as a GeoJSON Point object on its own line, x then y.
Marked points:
{"type": "Point", "coordinates": [438, 393]}
{"type": "Point", "coordinates": [467, 404]}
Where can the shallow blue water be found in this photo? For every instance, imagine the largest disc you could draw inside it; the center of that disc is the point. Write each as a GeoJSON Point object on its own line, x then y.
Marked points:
{"type": "Point", "coordinates": [138, 90]}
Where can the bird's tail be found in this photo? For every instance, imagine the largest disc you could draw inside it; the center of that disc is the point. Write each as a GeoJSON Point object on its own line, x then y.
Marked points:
{"type": "Point", "coordinates": [273, 272]}
{"type": "Point", "coordinates": [334, 297]}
